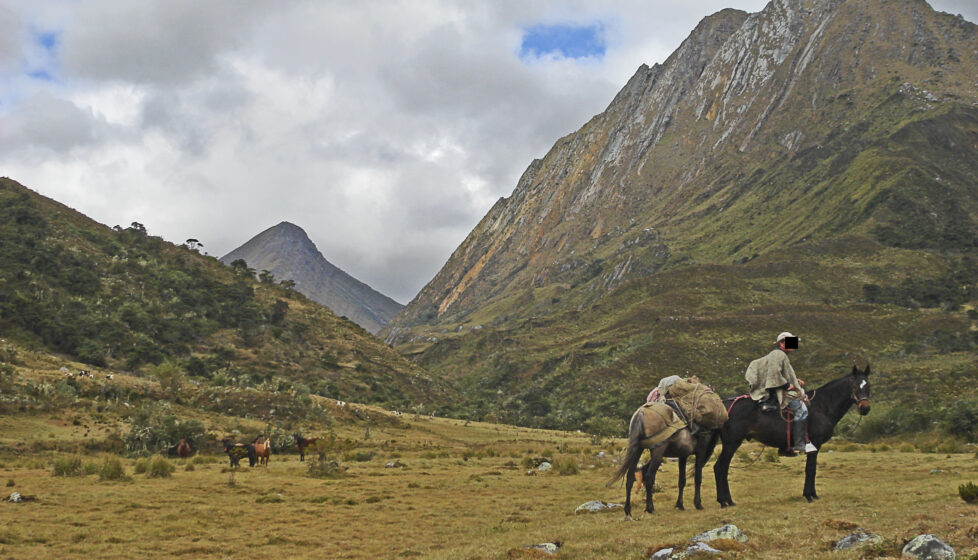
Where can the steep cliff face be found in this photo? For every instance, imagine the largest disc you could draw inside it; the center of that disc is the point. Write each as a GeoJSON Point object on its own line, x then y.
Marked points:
{"type": "Point", "coordinates": [287, 252]}
{"type": "Point", "coordinates": [761, 131]}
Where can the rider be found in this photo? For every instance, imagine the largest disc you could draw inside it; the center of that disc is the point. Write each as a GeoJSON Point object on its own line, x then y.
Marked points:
{"type": "Point", "coordinates": [773, 384]}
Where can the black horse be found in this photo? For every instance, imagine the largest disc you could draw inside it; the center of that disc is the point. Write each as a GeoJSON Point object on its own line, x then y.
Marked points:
{"type": "Point", "coordinates": [302, 443]}
{"type": "Point", "coordinates": [827, 405]}
{"type": "Point", "coordinates": [238, 451]}
{"type": "Point", "coordinates": [680, 445]}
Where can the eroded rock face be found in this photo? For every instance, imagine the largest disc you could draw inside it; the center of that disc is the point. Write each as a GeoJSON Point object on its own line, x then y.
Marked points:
{"type": "Point", "coordinates": [929, 547]}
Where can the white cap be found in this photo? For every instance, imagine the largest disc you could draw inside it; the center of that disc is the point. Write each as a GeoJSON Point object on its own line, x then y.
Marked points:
{"type": "Point", "coordinates": [785, 335]}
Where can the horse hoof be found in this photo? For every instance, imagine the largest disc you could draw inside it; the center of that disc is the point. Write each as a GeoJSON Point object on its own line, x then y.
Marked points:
{"type": "Point", "coordinates": [810, 499]}
{"type": "Point", "coordinates": [628, 518]}
{"type": "Point", "coordinates": [699, 506]}
{"type": "Point", "coordinates": [680, 507]}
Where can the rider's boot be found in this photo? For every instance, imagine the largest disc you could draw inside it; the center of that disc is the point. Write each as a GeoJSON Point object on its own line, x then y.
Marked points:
{"type": "Point", "coordinates": [798, 436]}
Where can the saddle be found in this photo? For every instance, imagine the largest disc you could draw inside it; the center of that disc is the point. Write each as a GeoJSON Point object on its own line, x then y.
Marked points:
{"type": "Point", "coordinates": [770, 406]}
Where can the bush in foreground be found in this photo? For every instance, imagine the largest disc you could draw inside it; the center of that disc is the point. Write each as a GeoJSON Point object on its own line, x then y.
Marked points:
{"type": "Point", "coordinates": [67, 466]}
{"type": "Point", "coordinates": [969, 492]}
{"type": "Point", "coordinates": [159, 467]}
{"type": "Point", "coordinates": [112, 469]}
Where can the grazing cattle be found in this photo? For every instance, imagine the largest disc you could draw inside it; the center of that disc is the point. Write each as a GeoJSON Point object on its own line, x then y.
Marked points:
{"type": "Point", "coordinates": [110, 376]}
{"type": "Point", "coordinates": [183, 449]}
{"type": "Point", "coordinates": [263, 448]}
{"type": "Point", "coordinates": [237, 451]}
{"type": "Point", "coordinates": [302, 443]}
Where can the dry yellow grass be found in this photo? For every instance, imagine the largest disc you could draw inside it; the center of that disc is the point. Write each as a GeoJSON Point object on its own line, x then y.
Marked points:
{"type": "Point", "coordinates": [464, 493]}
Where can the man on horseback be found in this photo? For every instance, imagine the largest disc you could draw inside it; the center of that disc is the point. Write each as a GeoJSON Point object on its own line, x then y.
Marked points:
{"type": "Point", "coordinates": [774, 385]}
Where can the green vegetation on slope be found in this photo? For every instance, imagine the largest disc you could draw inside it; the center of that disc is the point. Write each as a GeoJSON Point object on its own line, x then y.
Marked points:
{"type": "Point", "coordinates": [122, 299]}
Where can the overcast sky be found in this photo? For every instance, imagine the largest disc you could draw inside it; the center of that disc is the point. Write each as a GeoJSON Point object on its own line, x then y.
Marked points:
{"type": "Point", "coordinates": [385, 129]}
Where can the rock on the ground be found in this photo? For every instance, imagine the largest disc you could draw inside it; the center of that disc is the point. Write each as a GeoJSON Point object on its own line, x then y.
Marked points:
{"type": "Point", "coordinates": [549, 547]}
{"type": "Point", "coordinates": [544, 466]}
{"type": "Point", "coordinates": [858, 539]}
{"type": "Point", "coordinates": [15, 497]}
{"type": "Point", "coordinates": [595, 506]}
{"type": "Point", "coordinates": [728, 531]}
{"type": "Point", "coordinates": [695, 550]}
{"type": "Point", "coordinates": [929, 547]}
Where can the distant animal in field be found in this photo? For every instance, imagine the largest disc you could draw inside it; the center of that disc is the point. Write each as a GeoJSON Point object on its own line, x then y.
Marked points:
{"type": "Point", "coordinates": [183, 448]}
{"type": "Point", "coordinates": [263, 448]}
{"type": "Point", "coordinates": [237, 451]}
{"type": "Point", "coordinates": [650, 429]}
{"type": "Point", "coordinates": [302, 443]}
{"type": "Point", "coordinates": [827, 405]}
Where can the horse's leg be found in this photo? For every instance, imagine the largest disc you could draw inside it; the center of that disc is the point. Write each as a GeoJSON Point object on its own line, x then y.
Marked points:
{"type": "Point", "coordinates": [811, 464]}
{"type": "Point", "coordinates": [720, 471]}
{"type": "Point", "coordinates": [629, 482]}
{"type": "Point", "coordinates": [648, 477]}
{"type": "Point", "coordinates": [704, 448]}
{"type": "Point", "coordinates": [653, 469]}
{"type": "Point", "coordinates": [682, 483]}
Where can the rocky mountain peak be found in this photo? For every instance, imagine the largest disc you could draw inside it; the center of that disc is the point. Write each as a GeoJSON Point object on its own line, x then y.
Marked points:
{"type": "Point", "coordinates": [286, 251]}
{"type": "Point", "coordinates": [738, 122]}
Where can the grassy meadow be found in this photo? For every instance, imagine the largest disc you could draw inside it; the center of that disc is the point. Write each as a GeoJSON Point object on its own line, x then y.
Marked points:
{"type": "Point", "coordinates": [462, 491]}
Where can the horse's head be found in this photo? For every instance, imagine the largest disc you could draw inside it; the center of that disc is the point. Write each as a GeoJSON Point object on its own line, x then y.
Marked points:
{"type": "Point", "coordinates": [859, 381]}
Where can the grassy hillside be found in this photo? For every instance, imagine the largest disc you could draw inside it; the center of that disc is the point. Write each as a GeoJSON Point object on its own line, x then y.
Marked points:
{"type": "Point", "coordinates": [124, 300]}
{"type": "Point", "coordinates": [572, 361]}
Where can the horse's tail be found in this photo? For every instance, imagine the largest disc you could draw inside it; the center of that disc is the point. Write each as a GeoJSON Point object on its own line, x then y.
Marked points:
{"type": "Point", "coordinates": [636, 429]}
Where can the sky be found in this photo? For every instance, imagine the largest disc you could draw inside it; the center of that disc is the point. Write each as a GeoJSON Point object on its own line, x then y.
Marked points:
{"type": "Point", "coordinates": [386, 129]}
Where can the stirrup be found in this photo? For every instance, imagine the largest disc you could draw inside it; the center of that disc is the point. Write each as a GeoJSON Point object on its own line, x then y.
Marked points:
{"type": "Point", "coordinates": [769, 407]}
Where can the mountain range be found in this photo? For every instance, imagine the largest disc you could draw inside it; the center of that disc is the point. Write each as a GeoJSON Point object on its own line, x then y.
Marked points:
{"type": "Point", "coordinates": [287, 252]}
{"type": "Point", "coordinates": [811, 167]}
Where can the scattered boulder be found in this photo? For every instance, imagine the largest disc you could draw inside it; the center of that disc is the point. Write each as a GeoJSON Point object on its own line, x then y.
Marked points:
{"type": "Point", "coordinates": [549, 547]}
{"type": "Point", "coordinates": [727, 531]}
{"type": "Point", "coordinates": [17, 498]}
{"type": "Point", "coordinates": [595, 506]}
{"type": "Point", "coordinates": [695, 550]}
{"type": "Point", "coordinates": [928, 547]}
{"type": "Point", "coordinates": [858, 539]}
{"type": "Point", "coordinates": [544, 466]}
{"type": "Point", "coordinates": [396, 464]}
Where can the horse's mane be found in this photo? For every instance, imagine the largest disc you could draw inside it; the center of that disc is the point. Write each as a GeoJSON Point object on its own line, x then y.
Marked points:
{"type": "Point", "coordinates": [832, 384]}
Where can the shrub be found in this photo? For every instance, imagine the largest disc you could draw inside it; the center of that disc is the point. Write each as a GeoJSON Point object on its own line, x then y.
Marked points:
{"type": "Point", "coordinates": [359, 456]}
{"type": "Point", "coordinates": [168, 374]}
{"type": "Point", "coordinates": [605, 426]}
{"type": "Point", "coordinates": [90, 468]}
{"type": "Point", "coordinates": [907, 447]}
{"type": "Point", "coordinates": [961, 418]}
{"type": "Point", "coordinates": [969, 492]}
{"type": "Point", "coordinates": [323, 465]}
{"type": "Point", "coordinates": [111, 469]}
{"type": "Point", "coordinates": [159, 467]}
{"type": "Point", "coordinates": [67, 466]}
{"type": "Point", "coordinates": [10, 482]}
{"type": "Point", "coordinates": [155, 429]}
{"type": "Point", "coordinates": [566, 466]}
{"type": "Point", "coordinates": [140, 466]}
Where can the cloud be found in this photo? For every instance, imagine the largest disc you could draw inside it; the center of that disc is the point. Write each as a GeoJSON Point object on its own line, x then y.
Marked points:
{"type": "Point", "coordinates": [385, 130]}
